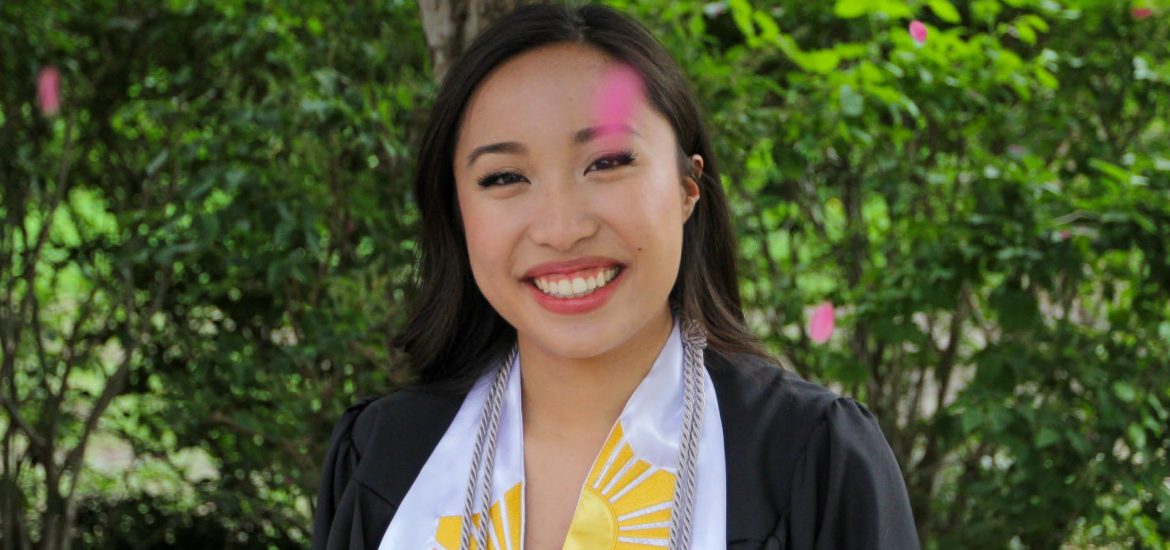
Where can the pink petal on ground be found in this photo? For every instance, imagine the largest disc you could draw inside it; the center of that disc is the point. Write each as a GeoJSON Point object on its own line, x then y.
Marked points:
{"type": "Point", "coordinates": [620, 90]}
{"type": "Point", "coordinates": [49, 90]}
{"type": "Point", "coordinates": [1141, 13]}
{"type": "Point", "coordinates": [918, 31]}
{"type": "Point", "coordinates": [820, 327]}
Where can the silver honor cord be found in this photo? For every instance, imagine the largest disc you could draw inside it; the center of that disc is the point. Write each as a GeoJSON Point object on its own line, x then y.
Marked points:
{"type": "Point", "coordinates": [489, 422]}
{"type": "Point", "coordinates": [483, 460]}
{"type": "Point", "coordinates": [694, 342]}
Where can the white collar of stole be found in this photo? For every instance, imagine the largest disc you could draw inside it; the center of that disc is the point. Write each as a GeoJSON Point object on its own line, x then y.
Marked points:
{"type": "Point", "coordinates": [626, 498]}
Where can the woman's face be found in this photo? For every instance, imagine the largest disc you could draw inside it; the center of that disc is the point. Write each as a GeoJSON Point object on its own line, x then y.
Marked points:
{"type": "Point", "coordinates": [554, 194]}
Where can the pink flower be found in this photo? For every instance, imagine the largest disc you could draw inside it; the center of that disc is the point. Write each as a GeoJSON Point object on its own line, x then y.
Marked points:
{"type": "Point", "coordinates": [1141, 13]}
{"type": "Point", "coordinates": [918, 31]}
{"type": "Point", "coordinates": [49, 90]}
{"type": "Point", "coordinates": [620, 91]}
{"type": "Point", "coordinates": [820, 326]}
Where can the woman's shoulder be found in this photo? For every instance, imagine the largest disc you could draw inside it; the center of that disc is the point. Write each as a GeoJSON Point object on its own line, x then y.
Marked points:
{"type": "Point", "coordinates": [783, 416]}
{"type": "Point", "coordinates": [402, 415]}
{"type": "Point", "coordinates": [816, 460]}
{"type": "Point", "coordinates": [758, 387]}
{"type": "Point", "coordinates": [405, 423]}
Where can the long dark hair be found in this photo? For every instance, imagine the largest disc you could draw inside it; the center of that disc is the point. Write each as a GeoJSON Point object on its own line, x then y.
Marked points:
{"type": "Point", "coordinates": [453, 333]}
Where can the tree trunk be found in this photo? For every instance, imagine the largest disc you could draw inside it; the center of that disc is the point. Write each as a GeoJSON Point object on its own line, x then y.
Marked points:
{"type": "Point", "coordinates": [450, 25]}
{"type": "Point", "coordinates": [54, 526]}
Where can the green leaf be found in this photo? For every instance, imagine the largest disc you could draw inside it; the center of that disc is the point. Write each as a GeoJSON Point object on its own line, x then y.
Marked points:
{"type": "Point", "coordinates": [1046, 78]}
{"type": "Point", "coordinates": [1124, 391]}
{"type": "Point", "coordinates": [819, 61]}
{"type": "Point", "coordinates": [1033, 21]}
{"type": "Point", "coordinates": [1137, 436]}
{"type": "Point", "coordinates": [1114, 171]}
{"type": "Point", "coordinates": [696, 25]}
{"type": "Point", "coordinates": [945, 11]}
{"type": "Point", "coordinates": [768, 28]}
{"type": "Point", "coordinates": [741, 12]}
{"type": "Point", "coordinates": [849, 9]}
{"type": "Point", "coordinates": [851, 51]}
{"type": "Point", "coordinates": [1026, 34]}
{"type": "Point", "coordinates": [1157, 406]}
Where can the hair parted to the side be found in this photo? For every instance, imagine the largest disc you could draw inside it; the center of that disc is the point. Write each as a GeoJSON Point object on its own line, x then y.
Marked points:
{"type": "Point", "coordinates": [452, 333]}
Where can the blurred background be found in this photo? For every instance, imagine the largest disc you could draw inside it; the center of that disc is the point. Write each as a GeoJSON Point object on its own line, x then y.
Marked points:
{"type": "Point", "coordinates": [957, 212]}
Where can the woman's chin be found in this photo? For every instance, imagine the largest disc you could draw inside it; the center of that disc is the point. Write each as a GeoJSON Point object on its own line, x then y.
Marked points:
{"type": "Point", "coordinates": [570, 340]}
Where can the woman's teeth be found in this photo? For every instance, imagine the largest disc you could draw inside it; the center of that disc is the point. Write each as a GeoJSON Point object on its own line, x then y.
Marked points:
{"type": "Point", "coordinates": [576, 285]}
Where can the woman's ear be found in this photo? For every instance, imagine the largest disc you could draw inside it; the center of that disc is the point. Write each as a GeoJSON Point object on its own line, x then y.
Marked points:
{"type": "Point", "coordinates": [691, 184]}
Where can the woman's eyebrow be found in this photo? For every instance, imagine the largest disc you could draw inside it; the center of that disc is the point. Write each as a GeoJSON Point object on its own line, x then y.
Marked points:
{"type": "Point", "coordinates": [582, 136]}
{"type": "Point", "coordinates": [586, 135]}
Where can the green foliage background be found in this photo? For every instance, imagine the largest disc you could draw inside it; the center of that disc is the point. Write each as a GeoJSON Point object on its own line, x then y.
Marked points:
{"type": "Point", "coordinates": [204, 255]}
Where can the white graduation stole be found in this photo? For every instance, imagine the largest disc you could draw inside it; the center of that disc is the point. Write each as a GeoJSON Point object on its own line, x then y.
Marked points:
{"type": "Point", "coordinates": [625, 502]}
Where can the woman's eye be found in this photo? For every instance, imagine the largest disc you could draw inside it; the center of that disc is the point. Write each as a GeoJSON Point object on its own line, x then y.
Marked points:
{"type": "Point", "coordinates": [604, 163]}
{"type": "Point", "coordinates": [498, 178]}
{"type": "Point", "coordinates": [612, 161]}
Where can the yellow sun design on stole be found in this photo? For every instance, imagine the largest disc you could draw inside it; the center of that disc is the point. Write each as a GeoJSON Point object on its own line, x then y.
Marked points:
{"type": "Point", "coordinates": [624, 505]}
{"type": "Point", "coordinates": [506, 516]}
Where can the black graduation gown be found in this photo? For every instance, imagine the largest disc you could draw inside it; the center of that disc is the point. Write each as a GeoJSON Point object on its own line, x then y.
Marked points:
{"type": "Point", "coordinates": [806, 469]}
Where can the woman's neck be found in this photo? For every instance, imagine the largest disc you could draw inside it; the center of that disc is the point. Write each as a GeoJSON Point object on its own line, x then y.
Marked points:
{"type": "Point", "coordinates": [568, 398]}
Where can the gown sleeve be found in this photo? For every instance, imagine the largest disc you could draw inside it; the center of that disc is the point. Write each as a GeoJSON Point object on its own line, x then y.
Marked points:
{"type": "Point", "coordinates": [848, 491]}
{"type": "Point", "coordinates": [344, 508]}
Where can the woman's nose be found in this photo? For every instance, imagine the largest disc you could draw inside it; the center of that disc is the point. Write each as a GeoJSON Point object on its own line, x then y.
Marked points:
{"type": "Point", "coordinates": [562, 216]}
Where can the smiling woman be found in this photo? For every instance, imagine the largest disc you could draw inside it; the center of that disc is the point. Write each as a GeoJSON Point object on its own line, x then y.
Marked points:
{"type": "Point", "coordinates": [585, 378]}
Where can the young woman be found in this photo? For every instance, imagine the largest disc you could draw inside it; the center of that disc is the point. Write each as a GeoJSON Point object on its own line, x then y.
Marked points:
{"type": "Point", "coordinates": [585, 376]}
